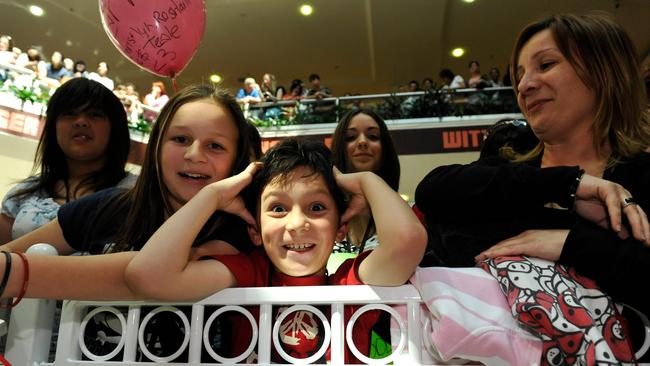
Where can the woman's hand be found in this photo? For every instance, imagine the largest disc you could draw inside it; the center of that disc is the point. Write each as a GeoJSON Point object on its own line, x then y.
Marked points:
{"type": "Point", "coordinates": [228, 191]}
{"type": "Point", "coordinates": [597, 199]}
{"type": "Point", "coordinates": [351, 184]}
{"type": "Point", "coordinates": [545, 244]}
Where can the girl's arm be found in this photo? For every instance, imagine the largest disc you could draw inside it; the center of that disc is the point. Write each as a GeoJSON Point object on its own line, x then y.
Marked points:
{"type": "Point", "coordinates": [162, 269]}
{"type": "Point", "coordinates": [402, 238]}
{"type": "Point", "coordinates": [98, 277]}
{"type": "Point", "coordinates": [49, 233]}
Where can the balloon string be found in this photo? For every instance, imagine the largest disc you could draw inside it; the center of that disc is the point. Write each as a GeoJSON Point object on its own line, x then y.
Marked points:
{"type": "Point", "coordinates": [175, 85]}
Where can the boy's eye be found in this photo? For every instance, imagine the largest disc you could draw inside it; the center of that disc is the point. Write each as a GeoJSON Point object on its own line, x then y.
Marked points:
{"type": "Point", "coordinates": [215, 146]}
{"type": "Point", "coordinates": [277, 208]}
{"type": "Point", "coordinates": [317, 207]}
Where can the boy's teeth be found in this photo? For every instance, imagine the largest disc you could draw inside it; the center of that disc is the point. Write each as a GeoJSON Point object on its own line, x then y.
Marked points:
{"type": "Point", "coordinates": [299, 246]}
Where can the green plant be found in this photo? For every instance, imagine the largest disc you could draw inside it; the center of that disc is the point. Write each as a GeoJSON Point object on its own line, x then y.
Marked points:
{"type": "Point", "coordinates": [34, 92]}
{"type": "Point", "coordinates": [141, 126]}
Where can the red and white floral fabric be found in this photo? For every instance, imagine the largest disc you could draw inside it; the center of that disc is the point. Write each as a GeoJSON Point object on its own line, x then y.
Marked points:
{"type": "Point", "coordinates": [577, 322]}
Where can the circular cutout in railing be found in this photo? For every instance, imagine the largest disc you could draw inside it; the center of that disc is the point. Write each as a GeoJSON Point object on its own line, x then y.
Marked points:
{"type": "Point", "coordinates": [302, 328]}
{"type": "Point", "coordinates": [215, 341]}
{"type": "Point", "coordinates": [101, 334]}
{"type": "Point", "coordinates": [349, 339]}
{"type": "Point", "coordinates": [164, 334]}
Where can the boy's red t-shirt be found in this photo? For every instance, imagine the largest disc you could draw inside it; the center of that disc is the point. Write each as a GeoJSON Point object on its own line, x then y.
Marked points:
{"type": "Point", "coordinates": [301, 334]}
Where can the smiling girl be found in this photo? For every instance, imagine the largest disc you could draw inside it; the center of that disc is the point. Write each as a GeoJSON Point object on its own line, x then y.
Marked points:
{"type": "Point", "coordinates": [362, 143]}
{"type": "Point", "coordinates": [200, 138]}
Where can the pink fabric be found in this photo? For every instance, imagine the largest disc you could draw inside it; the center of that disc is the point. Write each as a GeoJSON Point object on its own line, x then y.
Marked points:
{"type": "Point", "coordinates": [471, 319]}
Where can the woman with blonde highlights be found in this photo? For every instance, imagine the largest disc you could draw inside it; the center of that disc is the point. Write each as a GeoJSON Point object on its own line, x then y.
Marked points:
{"type": "Point", "coordinates": [579, 197]}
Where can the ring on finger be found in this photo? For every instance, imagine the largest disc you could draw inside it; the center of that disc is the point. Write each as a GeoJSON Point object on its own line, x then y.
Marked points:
{"type": "Point", "coordinates": [628, 201]}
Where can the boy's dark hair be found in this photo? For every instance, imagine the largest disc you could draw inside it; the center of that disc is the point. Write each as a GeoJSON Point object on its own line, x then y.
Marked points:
{"type": "Point", "coordinates": [313, 77]}
{"type": "Point", "coordinates": [283, 158]}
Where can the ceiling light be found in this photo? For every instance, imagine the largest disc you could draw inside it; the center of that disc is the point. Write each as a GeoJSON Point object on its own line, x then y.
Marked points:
{"type": "Point", "coordinates": [306, 10]}
{"type": "Point", "coordinates": [458, 52]}
{"type": "Point", "coordinates": [215, 78]}
{"type": "Point", "coordinates": [36, 10]}
{"type": "Point", "coordinates": [468, 1]}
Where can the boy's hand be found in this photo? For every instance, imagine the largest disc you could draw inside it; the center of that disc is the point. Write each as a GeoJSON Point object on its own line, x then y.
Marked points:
{"type": "Point", "coordinates": [228, 191]}
{"type": "Point", "coordinates": [351, 184]}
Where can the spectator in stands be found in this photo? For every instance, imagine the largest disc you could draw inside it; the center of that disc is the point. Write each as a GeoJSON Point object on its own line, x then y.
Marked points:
{"type": "Point", "coordinates": [409, 103]}
{"type": "Point", "coordinates": [249, 94]}
{"type": "Point", "coordinates": [414, 86]}
{"type": "Point", "coordinates": [427, 84]}
{"type": "Point", "coordinates": [295, 91]}
{"type": "Point", "coordinates": [80, 69]}
{"type": "Point", "coordinates": [476, 79]}
{"type": "Point", "coordinates": [451, 81]}
{"type": "Point", "coordinates": [157, 99]}
{"type": "Point", "coordinates": [83, 148]}
{"type": "Point", "coordinates": [131, 91]}
{"type": "Point", "coordinates": [269, 88]}
{"type": "Point", "coordinates": [588, 110]}
{"type": "Point", "coordinates": [30, 59]}
{"type": "Point", "coordinates": [495, 75]}
{"type": "Point", "coordinates": [68, 63]}
{"type": "Point", "coordinates": [7, 55]}
{"type": "Point", "coordinates": [101, 75]}
{"type": "Point", "coordinates": [55, 69]}
{"type": "Point", "coordinates": [120, 91]}
{"type": "Point", "coordinates": [317, 91]}
{"type": "Point", "coordinates": [132, 103]}
{"type": "Point", "coordinates": [281, 91]}
{"type": "Point", "coordinates": [362, 143]}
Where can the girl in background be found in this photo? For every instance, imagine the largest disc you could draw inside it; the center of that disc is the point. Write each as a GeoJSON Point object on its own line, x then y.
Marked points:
{"type": "Point", "coordinates": [83, 148]}
{"type": "Point", "coordinates": [361, 142]}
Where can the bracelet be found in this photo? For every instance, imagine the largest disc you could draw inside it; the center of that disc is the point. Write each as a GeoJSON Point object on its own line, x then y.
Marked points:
{"type": "Point", "coordinates": [5, 278]}
{"type": "Point", "coordinates": [573, 189]}
{"type": "Point", "coordinates": [23, 290]}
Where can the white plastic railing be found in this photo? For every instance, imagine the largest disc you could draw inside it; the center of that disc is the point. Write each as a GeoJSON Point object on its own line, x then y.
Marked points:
{"type": "Point", "coordinates": [71, 348]}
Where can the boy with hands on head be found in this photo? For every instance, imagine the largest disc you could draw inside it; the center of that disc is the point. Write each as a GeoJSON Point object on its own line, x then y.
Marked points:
{"type": "Point", "coordinates": [301, 211]}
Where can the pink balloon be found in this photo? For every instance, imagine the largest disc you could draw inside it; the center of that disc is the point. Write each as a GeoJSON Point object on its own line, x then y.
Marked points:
{"type": "Point", "coordinates": [158, 36]}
